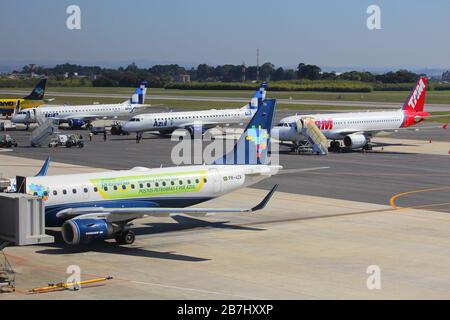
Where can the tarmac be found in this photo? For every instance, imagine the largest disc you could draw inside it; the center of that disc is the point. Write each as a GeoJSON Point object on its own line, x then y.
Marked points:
{"type": "Point", "coordinates": [395, 166]}
{"type": "Point", "coordinates": [317, 238]}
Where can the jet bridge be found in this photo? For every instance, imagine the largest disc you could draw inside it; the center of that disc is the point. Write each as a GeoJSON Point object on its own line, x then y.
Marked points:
{"type": "Point", "coordinates": [22, 219]}
{"type": "Point", "coordinates": [314, 137]}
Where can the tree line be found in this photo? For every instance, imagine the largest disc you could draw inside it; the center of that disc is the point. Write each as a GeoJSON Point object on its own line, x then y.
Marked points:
{"type": "Point", "coordinates": [162, 75]}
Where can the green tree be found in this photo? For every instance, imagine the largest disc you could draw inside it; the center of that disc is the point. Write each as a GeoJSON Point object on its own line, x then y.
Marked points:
{"type": "Point", "coordinates": [308, 71]}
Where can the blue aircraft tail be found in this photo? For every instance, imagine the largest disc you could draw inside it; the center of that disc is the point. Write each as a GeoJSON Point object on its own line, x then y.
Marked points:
{"type": "Point", "coordinates": [253, 145]}
{"type": "Point", "coordinates": [139, 95]}
{"type": "Point", "coordinates": [258, 97]}
{"type": "Point", "coordinates": [38, 91]}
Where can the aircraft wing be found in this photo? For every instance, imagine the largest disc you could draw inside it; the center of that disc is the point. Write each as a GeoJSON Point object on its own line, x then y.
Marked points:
{"type": "Point", "coordinates": [82, 117]}
{"type": "Point", "coordinates": [147, 106]}
{"type": "Point", "coordinates": [128, 214]}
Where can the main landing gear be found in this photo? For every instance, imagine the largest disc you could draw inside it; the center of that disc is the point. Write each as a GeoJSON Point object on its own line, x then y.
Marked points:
{"type": "Point", "coordinates": [125, 237]}
{"type": "Point", "coordinates": [335, 146]}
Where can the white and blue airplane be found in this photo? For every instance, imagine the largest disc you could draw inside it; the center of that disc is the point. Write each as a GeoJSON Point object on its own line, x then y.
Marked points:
{"type": "Point", "coordinates": [194, 121]}
{"type": "Point", "coordinates": [79, 115]}
{"type": "Point", "coordinates": [99, 206]}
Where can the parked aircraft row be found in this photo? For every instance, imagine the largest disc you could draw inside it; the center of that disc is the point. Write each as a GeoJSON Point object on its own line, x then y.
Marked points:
{"type": "Point", "coordinates": [98, 206]}
{"type": "Point", "coordinates": [354, 129]}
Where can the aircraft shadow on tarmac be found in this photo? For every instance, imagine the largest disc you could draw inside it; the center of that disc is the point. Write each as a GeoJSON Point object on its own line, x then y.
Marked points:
{"type": "Point", "coordinates": [59, 247]}
{"type": "Point", "coordinates": [377, 149]}
{"type": "Point", "coordinates": [187, 223]}
{"type": "Point", "coordinates": [183, 223]}
{"type": "Point", "coordinates": [133, 138]}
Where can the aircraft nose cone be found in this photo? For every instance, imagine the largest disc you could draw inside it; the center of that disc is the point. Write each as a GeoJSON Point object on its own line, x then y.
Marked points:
{"type": "Point", "coordinates": [126, 127]}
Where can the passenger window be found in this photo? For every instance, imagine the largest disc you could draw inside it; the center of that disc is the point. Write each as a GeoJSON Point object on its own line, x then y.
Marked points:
{"type": "Point", "coordinates": [115, 188]}
{"type": "Point", "coordinates": [148, 185]}
{"type": "Point", "coordinates": [105, 188]}
{"type": "Point", "coordinates": [197, 181]}
{"type": "Point", "coordinates": [64, 192]}
{"type": "Point", "coordinates": [55, 193]}
{"type": "Point", "coordinates": [205, 180]}
{"type": "Point", "coordinates": [133, 186]}
{"type": "Point", "coordinates": [124, 187]}
{"type": "Point", "coordinates": [74, 191]}
{"type": "Point", "coordinates": [86, 190]}
{"type": "Point", "coordinates": [95, 189]}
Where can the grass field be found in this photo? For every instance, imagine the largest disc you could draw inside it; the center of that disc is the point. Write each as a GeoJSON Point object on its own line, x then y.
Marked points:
{"type": "Point", "coordinates": [444, 119]}
{"type": "Point", "coordinates": [192, 105]}
{"type": "Point", "coordinates": [435, 97]}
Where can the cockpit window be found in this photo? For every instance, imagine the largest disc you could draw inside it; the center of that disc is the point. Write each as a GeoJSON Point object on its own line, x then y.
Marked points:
{"type": "Point", "coordinates": [135, 120]}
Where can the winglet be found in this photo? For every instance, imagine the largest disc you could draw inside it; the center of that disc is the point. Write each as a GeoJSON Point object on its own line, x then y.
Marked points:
{"type": "Point", "coordinates": [44, 168]}
{"type": "Point", "coordinates": [265, 201]}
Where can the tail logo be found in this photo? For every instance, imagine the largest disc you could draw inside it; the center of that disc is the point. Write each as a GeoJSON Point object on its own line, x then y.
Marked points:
{"type": "Point", "coordinates": [260, 137]}
{"type": "Point", "coordinates": [416, 94]}
{"type": "Point", "coordinates": [39, 191]}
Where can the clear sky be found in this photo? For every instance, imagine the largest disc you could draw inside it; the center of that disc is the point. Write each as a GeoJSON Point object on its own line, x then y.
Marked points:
{"type": "Point", "coordinates": [415, 33]}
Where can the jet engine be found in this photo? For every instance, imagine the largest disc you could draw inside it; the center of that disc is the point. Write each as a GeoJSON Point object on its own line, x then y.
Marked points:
{"type": "Point", "coordinates": [355, 141]}
{"type": "Point", "coordinates": [76, 231]}
{"type": "Point", "coordinates": [76, 123]}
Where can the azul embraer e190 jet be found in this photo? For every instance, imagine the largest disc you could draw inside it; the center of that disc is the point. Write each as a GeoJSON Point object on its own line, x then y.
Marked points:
{"type": "Point", "coordinates": [77, 116]}
{"type": "Point", "coordinates": [194, 121]}
{"type": "Point", "coordinates": [98, 206]}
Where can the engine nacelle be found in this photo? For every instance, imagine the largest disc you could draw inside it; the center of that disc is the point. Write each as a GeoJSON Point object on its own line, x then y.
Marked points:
{"type": "Point", "coordinates": [76, 231]}
{"type": "Point", "coordinates": [355, 141]}
{"type": "Point", "coordinates": [76, 123]}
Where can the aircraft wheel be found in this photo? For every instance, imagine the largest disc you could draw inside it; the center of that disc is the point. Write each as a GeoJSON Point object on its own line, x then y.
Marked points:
{"type": "Point", "coordinates": [125, 237]}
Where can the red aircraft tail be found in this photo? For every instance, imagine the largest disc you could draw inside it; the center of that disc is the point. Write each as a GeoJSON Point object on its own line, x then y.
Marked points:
{"type": "Point", "coordinates": [416, 99]}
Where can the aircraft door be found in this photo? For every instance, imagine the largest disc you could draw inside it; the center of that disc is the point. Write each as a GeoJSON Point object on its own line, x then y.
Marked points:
{"type": "Point", "coordinates": [216, 180]}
